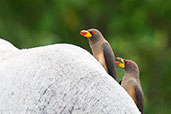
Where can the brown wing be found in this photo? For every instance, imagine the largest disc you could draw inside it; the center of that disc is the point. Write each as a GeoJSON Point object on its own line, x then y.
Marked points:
{"type": "Point", "coordinates": [139, 98]}
{"type": "Point", "coordinates": [109, 59]}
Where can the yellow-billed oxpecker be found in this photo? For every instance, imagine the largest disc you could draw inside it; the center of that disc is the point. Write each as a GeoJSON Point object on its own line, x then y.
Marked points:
{"type": "Point", "coordinates": [101, 50]}
{"type": "Point", "coordinates": [131, 82]}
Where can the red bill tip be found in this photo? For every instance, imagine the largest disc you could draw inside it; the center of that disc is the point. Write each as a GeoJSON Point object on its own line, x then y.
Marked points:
{"type": "Point", "coordinates": [119, 58]}
{"type": "Point", "coordinates": [117, 63]}
{"type": "Point", "coordinates": [83, 32]}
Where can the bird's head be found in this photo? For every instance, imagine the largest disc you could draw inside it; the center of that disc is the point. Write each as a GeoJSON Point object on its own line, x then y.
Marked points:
{"type": "Point", "coordinates": [128, 65]}
{"type": "Point", "coordinates": [92, 34]}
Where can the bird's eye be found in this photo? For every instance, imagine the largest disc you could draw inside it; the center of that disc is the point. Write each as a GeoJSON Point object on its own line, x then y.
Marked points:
{"type": "Point", "coordinates": [93, 32]}
{"type": "Point", "coordinates": [128, 63]}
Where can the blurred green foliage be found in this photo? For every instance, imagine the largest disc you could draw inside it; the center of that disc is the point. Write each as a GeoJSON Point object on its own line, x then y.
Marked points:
{"type": "Point", "coordinates": [136, 29]}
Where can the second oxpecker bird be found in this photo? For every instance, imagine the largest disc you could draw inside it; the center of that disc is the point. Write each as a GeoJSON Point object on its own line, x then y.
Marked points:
{"type": "Point", "coordinates": [131, 82]}
{"type": "Point", "coordinates": [101, 50]}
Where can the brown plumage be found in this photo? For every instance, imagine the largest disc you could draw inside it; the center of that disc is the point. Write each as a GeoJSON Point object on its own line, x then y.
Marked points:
{"type": "Point", "coordinates": [101, 50]}
{"type": "Point", "coordinates": [131, 82]}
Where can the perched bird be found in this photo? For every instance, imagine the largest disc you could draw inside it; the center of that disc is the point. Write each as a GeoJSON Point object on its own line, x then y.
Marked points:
{"type": "Point", "coordinates": [101, 50]}
{"type": "Point", "coordinates": [131, 82]}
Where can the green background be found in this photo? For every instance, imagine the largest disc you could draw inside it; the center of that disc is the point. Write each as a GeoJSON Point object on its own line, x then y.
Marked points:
{"type": "Point", "coordinates": [136, 29]}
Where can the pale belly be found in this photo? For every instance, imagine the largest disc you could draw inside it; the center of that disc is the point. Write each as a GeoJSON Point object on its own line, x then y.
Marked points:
{"type": "Point", "coordinates": [98, 54]}
{"type": "Point", "coordinates": [101, 59]}
{"type": "Point", "coordinates": [129, 87]}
